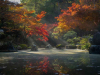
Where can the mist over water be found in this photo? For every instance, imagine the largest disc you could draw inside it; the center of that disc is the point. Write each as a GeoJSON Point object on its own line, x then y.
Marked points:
{"type": "Point", "coordinates": [18, 1]}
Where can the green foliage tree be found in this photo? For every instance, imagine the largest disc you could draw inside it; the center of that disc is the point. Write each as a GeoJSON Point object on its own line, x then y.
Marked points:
{"type": "Point", "coordinates": [70, 35]}
{"type": "Point", "coordinates": [52, 7]}
{"type": "Point", "coordinates": [70, 41]}
{"type": "Point", "coordinates": [74, 41]}
{"type": "Point", "coordinates": [85, 44]}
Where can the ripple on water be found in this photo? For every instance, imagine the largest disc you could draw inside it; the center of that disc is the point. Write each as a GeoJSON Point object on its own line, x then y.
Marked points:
{"type": "Point", "coordinates": [4, 66]}
{"type": "Point", "coordinates": [79, 69]}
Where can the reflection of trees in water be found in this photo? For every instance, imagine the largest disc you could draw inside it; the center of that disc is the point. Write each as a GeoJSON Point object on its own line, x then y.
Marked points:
{"type": "Point", "coordinates": [60, 65]}
{"type": "Point", "coordinates": [39, 68]}
{"type": "Point", "coordinates": [70, 63]}
{"type": "Point", "coordinates": [84, 59]}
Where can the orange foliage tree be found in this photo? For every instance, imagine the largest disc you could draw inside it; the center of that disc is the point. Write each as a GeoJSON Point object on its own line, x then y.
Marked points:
{"type": "Point", "coordinates": [88, 1]}
{"type": "Point", "coordinates": [24, 21]}
{"type": "Point", "coordinates": [84, 17]}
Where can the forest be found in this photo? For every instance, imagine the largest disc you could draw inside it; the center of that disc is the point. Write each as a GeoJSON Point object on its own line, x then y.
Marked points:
{"type": "Point", "coordinates": [49, 21]}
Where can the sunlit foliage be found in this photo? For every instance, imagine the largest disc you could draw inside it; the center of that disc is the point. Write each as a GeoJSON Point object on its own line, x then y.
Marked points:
{"type": "Point", "coordinates": [23, 20]}
{"type": "Point", "coordinates": [85, 17]}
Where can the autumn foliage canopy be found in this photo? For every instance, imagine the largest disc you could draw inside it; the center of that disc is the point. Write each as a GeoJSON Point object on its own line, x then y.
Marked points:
{"type": "Point", "coordinates": [23, 20]}
{"type": "Point", "coordinates": [85, 17]}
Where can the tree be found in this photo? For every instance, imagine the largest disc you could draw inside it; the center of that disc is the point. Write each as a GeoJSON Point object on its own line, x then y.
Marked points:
{"type": "Point", "coordinates": [31, 25]}
{"type": "Point", "coordinates": [52, 7]}
{"type": "Point", "coordinates": [70, 35]}
{"type": "Point", "coordinates": [5, 23]}
{"type": "Point", "coordinates": [88, 2]}
{"type": "Point", "coordinates": [4, 9]}
{"type": "Point", "coordinates": [23, 20]}
{"type": "Point", "coordinates": [33, 4]}
{"type": "Point", "coordinates": [84, 17]}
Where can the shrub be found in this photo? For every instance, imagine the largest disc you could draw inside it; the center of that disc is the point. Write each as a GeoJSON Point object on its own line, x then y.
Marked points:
{"type": "Point", "coordinates": [71, 46]}
{"type": "Point", "coordinates": [70, 35]}
{"type": "Point", "coordinates": [85, 43]}
{"type": "Point", "coordinates": [86, 46]}
{"type": "Point", "coordinates": [59, 46]}
{"type": "Point", "coordinates": [29, 47]}
{"type": "Point", "coordinates": [76, 40]}
{"type": "Point", "coordinates": [70, 41]}
{"type": "Point", "coordinates": [23, 46]}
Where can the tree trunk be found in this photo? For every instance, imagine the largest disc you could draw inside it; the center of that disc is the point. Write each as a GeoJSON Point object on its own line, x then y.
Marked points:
{"type": "Point", "coordinates": [58, 8]}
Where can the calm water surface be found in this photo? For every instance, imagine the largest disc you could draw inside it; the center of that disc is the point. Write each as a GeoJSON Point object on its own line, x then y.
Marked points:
{"type": "Point", "coordinates": [49, 62]}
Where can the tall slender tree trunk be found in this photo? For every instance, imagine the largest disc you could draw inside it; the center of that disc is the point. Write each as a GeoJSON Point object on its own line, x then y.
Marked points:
{"type": "Point", "coordinates": [36, 6]}
{"type": "Point", "coordinates": [58, 8]}
{"type": "Point", "coordinates": [94, 4]}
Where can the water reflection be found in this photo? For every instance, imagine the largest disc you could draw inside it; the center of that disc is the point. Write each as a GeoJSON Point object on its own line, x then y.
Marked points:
{"type": "Point", "coordinates": [74, 64]}
{"type": "Point", "coordinates": [42, 67]}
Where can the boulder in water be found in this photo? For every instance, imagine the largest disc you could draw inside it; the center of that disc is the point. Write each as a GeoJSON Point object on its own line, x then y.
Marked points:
{"type": "Point", "coordinates": [34, 48]}
{"type": "Point", "coordinates": [96, 38]}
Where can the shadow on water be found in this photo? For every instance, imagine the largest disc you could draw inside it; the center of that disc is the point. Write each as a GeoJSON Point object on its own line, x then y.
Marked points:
{"type": "Point", "coordinates": [48, 63]}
